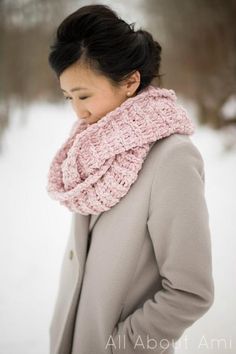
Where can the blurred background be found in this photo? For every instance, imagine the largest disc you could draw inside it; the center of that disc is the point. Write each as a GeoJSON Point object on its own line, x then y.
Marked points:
{"type": "Point", "coordinates": [198, 40]}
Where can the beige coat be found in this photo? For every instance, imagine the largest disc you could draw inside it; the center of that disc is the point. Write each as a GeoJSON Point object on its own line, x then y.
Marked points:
{"type": "Point", "coordinates": [148, 273]}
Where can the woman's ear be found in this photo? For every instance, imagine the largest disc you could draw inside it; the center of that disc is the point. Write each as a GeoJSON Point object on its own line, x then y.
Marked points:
{"type": "Point", "coordinates": [133, 82]}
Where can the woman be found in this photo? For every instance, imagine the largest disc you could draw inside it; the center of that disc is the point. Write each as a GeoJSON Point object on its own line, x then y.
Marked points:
{"type": "Point", "coordinates": [137, 270]}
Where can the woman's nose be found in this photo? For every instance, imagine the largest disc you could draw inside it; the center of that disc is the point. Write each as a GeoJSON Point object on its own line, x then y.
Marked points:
{"type": "Point", "coordinates": [80, 112]}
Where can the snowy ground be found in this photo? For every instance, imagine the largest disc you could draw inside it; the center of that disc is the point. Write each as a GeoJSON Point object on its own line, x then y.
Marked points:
{"type": "Point", "coordinates": [34, 230]}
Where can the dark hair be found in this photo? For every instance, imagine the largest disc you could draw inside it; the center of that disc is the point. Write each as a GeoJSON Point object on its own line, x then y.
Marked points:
{"type": "Point", "coordinates": [98, 37]}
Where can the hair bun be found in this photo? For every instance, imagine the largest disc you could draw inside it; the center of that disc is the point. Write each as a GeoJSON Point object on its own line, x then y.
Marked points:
{"type": "Point", "coordinates": [97, 35]}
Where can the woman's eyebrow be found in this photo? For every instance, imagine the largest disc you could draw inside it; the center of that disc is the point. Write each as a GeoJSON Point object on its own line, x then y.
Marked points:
{"type": "Point", "coordinates": [75, 89]}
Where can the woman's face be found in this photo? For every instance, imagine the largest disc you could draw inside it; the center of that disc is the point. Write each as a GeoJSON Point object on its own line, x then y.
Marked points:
{"type": "Point", "coordinates": [92, 95]}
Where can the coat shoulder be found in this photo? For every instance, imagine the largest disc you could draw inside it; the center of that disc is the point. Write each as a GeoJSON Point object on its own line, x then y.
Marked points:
{"type": "Point", "coordinates": [175, 148]}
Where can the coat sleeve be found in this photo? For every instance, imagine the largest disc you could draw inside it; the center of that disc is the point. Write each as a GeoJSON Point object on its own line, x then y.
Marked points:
{"type": "Point", "coordinates": [178, 225]}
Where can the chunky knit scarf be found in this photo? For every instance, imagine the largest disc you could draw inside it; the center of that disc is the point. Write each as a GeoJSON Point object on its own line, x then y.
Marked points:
{"type": "Point", "coordinates": [98, 163]}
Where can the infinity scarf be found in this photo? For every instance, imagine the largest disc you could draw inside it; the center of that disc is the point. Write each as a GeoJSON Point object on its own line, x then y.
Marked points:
{"type": "Point", "coordinates": [98, 163]}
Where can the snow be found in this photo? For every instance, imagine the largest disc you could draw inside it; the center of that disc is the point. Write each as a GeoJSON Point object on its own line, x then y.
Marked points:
{"type": "Point", "coordinates": [34, 231]}
{"type": "Point", "coordinates": [229, 108]}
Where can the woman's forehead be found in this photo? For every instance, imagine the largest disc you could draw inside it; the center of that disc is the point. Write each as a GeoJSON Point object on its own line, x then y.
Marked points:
{"type": "Point", "coordinates": [77, 77]}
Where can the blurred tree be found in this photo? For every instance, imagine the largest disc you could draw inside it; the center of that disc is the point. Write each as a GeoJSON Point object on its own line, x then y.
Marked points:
{"type": "Point", "coordinates": [199, 52]}
{"type": "Point", "coordinates": [26, 31]}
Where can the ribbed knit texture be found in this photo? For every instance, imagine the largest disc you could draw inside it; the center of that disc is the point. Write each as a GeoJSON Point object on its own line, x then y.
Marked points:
{"type": "Point", "coordinates": [98, 163]}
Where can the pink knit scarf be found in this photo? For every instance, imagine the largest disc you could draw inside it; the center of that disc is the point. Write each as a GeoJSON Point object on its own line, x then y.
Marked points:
{"type": "Point", "coordinates": [98, 163]}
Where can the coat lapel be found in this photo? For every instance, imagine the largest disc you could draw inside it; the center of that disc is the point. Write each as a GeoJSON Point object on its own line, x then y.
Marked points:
{"type": "Point", "coordinates": [94, 218]}
{"type": "Point", "coordinates": [83, 225]}
{"type": "Point", "coordinates": [81, 230]}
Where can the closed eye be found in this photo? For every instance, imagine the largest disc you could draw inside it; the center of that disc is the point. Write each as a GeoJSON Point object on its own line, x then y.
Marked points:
{"type": "Point", "coordinates": [70, 98]}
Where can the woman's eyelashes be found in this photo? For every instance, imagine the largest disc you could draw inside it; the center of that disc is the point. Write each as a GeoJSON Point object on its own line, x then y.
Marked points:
{"type": "Point", "coordinates": [70, 98]}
